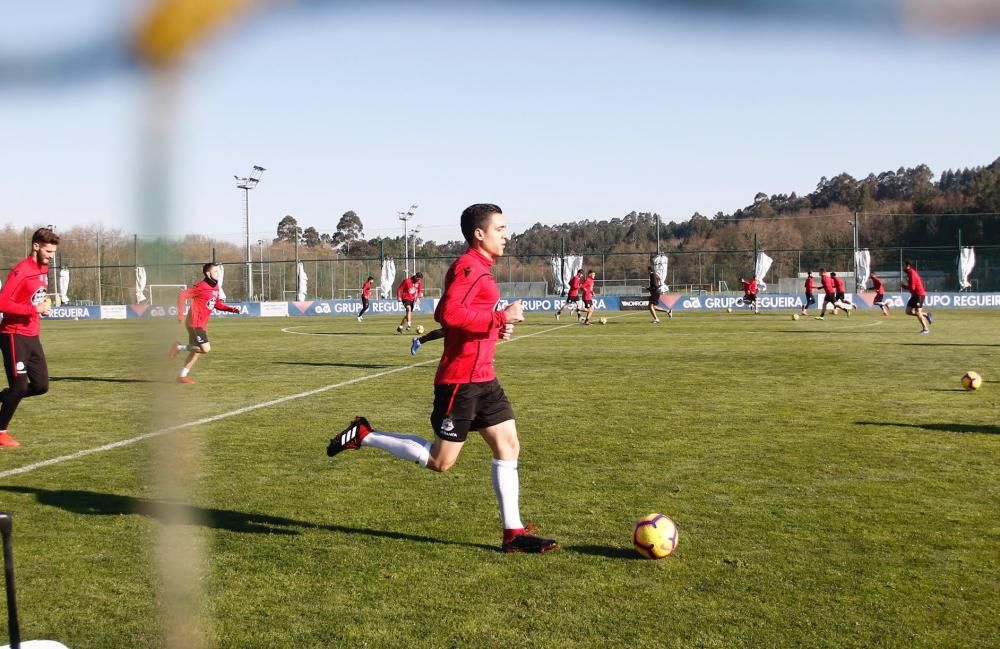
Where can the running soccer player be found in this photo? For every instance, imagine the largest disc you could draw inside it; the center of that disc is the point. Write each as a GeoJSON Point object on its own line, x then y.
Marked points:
{"type": "Point", "coordinates": [915, 307]}
{"type": "Point", "coordinates": [810, 293]}
{"type": "Point", "coordinates": [840, 296]}
{"type": "Point", "coordinates": [204, 297]}
{"type": "Point", "coordinates": [587, 288]}
{"type": "Point", "coordinates": [366, 293]}
{"type": "Point", "coordinates": [573, 296]}
{"type": "Point", "coordinates": [410, 290]}
{"type": "Point", "coordinates": [750, 293]}
{"type": "Point", "coordinates": [879, 300]}
{"type": "Point", "coordinates": [467, 394]}
{"type": "Point", "coordinates": [654, 296]}
{"type": "Point", "coordinates": [23, 301]}
{"type": "Point", "coordinates": [829, 293]}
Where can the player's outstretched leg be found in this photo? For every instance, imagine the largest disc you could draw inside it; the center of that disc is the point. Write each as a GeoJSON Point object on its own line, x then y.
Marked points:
{"type": "Point", "coordinates": [350, 437]}
{"type": "Point", "coordinates": [415, 346]}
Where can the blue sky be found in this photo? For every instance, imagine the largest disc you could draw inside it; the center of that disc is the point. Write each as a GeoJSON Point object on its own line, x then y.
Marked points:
{"type": "Point", "coordinates": [557, 112]}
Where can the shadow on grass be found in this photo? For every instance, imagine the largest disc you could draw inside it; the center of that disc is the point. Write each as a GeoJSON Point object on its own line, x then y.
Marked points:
{"type": "Point", "coordinates": [101, 379]}
{"type": "Point", "coordinates": [367, 366]}
{"type": "Point", "coordinates": [949, 344]}
{"type": "Point", "coordinates": [988, 429]}
{"type": "Point", "coordinates": [101, 504]}
{"type": "Point", "coordinates": [604, 551]}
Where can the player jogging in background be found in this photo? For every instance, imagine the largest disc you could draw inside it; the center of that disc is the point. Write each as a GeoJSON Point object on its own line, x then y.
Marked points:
{"type": "Point", "coordinates": [588, 295]}
{"type": "Point", "coordinates": [750, 293]}
{"type": "Point", "coordinates": [829, 293]}
{"type": "Point", "coordinates": [840, 296]}
{"type": "Point", "coordinates": [654, 296]}
{"type": "Point", "coordinates": [366, 294]}
{"type": "Point", "coordinates": [879, 300]}
{"type": "Point", "coordinates": [410, 290]}
{"type": "Point", "coordinates": [573, 296]}
{"type": "Point", "coordinates": [915, 307]}
{"type": "Point", "coordinates": [204, 297]}
{"type": "Point", "coordinates": [467, 394]}
{"type": "Point", "coordinates": [810, 293]}
{"type": "Point", "coordinates": [23, 301]}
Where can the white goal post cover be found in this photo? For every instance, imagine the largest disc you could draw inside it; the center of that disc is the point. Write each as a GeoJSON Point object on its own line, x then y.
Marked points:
{"type": "Point", "coordinates": [140, 284]}
{"type": "Point", "coordinates": [563, 269]}
{"type": "Point", "coordinates": [760, 267]}
{"type": "Point", "coordinates": [862, 268]}
{"type": "Point", "coordinates": [387, 278]}
{"type": "Point", "coordinates": [966, 262]}
{"type": "Point", "coordinates": [661, 264]}
{"type": "Point", "coordinates": [63, 285]}
{"type": "Point", "coordinates": [300, 272]}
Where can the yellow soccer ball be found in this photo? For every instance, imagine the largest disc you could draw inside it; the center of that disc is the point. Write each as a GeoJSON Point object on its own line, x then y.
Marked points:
{"type": "Point", "coordinates": [795, 316]}
{"type": "Point", "coordinates": [420, 330]}
{"type": "Point", "coordinates": [972, 381]}
{"type": "Point", "coordinates": [603, 320]}
{"type": "Point", "coordinates": [655, 536]}
{"type": "Point", "coordinates": [729, 309]}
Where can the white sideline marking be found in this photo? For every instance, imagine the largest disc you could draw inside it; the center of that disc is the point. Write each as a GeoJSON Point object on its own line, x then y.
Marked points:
{"type": "Point", "coordinates": [225, 415]}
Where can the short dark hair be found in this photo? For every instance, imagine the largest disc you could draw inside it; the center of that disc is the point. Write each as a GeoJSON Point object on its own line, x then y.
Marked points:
{"type": "Point", "coordinates": [475, 217]}
{"type": "Point", "coordinates": [44, 236]}
{"type": "Point", "coordinates": [579, 270]}
{"type": "Point", "coordinates": [418, 276]}
{"type": "Point", "coordinates": [909, 262]}
{"type": "Point", "coordinates": [370, 277]}
{"type": "Point", "coordinates": [833, 273]}
{"type": "Point", "coordinates": [207, 267]}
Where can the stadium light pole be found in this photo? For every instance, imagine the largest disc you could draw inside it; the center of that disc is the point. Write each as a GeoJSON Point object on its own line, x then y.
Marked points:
{"type": "Point", "coordinates": [413, 248]}
{"type": "Point", "coordinates": [260, 256]}
{"type": "Point", "coordinates": [246, 184]}
{"type": "Point", "coordinates": [404, 217]}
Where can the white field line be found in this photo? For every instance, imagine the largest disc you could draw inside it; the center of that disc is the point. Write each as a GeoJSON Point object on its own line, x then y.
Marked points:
{"type": "Point", "coordinates": [225, 415]}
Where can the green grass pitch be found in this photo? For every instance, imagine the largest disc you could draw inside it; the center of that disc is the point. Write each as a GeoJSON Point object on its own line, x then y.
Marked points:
{"type": "Point", "coordinates": [833, 484]}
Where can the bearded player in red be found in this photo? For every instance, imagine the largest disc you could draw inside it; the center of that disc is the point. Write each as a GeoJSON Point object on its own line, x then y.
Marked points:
{"type": "Point", "coordinates": [23, 302]}
{"type": "Point", "coordinates": [204, 297]}
{"type": "Point", "coordinates": [467, 394]}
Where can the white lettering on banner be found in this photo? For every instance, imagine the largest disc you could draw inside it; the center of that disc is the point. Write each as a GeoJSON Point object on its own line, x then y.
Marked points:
{"type": "Point", "coordinates": [114, 312]}
{"type": "Point", "coordinates": [322, 307]}
{"type": "Point", "coordinates": [544, 304]}
{"type": "Point", "coordinates": [988, 299]}
{"type": "Point", "coordinates": [69, 312]}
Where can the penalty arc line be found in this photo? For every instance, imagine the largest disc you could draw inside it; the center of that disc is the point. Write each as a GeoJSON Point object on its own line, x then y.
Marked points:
{"type": "Point", "coordinates": [225, 415]}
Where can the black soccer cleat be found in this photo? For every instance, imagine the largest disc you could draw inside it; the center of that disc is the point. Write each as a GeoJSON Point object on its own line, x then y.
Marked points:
{"type": "Point", "coordinates": [529, 543]}
{"type": "Point", "coordinates": [350, 437]}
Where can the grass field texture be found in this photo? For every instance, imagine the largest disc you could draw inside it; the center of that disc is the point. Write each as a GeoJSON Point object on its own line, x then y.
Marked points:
{"type": "Point", "coordinates": [833, 484]}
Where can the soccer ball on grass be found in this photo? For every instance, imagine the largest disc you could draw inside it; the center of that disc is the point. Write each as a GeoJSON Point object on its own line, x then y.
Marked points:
{"type": "Point", "coordinates": [795, 316]}
{"type": "Point", "coordinates": [655, 536]}
{"type": "Point", "coordinates": [420, 330]}
{"type": "Point", "coordinates": [603, 320]}
{"type": "Point", "coordinates": [972, 381]}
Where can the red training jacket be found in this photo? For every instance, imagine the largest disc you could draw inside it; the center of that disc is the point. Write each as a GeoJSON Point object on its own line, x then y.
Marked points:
{"type": "Point", "coordinates": [588, 288]}
{"type": "Point", "coordinates": [914, 284]}
{"type": "Point", "coordinates": [467, 311]}
{"type": "Point", "coordinates": [23, 291]}
{"type": "Point", "coordinates": [574, 286]}
{"type": "Point", "coordinates": [810, 285]}
{"type": "Point", "coordinates": [410, 290]}
{"type": "Point", "coordinates": [839, 283]}
{"type": "Point", "coordinates": [877, 284]}
{"type": "Point", "coordinates": [204, 297]}
{"type": "Point", "coordinates": [827, 282]}
{"type": "Point", "coordinates": [366, 290]}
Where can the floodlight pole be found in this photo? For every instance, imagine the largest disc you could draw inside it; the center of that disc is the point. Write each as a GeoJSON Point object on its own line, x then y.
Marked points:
{"type": "Point", "coordinates": [260, 255]}
{"type": "Point", "coordinates": [246, 184]}
{"type": "Point", "coordinates": [404, 217]}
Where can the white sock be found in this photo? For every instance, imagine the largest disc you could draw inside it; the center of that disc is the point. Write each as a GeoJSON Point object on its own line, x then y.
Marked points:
{"type": "Point", "coordinates": [507, 487]}
{"type": "Point", "coordinates": [184, 371]}
{"type": "Point", "coordinates": [411, 448]}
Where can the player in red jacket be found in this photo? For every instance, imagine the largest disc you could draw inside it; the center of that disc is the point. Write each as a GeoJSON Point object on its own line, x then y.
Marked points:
{"type": "Point", "coordinates": [879, 300]}
{"type": "Point", "coordinates": [467, 394]}
{"type": "Point", "coordinates": [23, 301]}
{"type": "Point", "coordinates": [587, 288]}
{"type": "Point", "coordinates": [366, 294]}
{"type": "Point", "coordinates": [829, 293]}
{"type": "Point", "coordinates": [810, 287]}
{"type": "Point", "coordinates": [750, 293]}
{"type": "Point", "coordinates": [573, 296]}
{"type": "Point", "coordinates": [918, 294]}
{"type": "Point", "coordinates": [410, 290]}
{"type": "Point", "coordinates": [204, 297]}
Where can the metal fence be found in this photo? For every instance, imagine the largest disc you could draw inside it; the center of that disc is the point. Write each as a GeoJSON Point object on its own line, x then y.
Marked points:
{"type": "Point", "coordinates": [102, 268]}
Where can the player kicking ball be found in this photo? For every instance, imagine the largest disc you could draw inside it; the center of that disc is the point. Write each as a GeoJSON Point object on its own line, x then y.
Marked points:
{"type": "Point", "coordinates": [467, 394]}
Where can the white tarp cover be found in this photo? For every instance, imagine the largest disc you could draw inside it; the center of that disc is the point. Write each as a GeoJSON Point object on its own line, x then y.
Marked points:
{"type": "Point", "coordinates": [140, 284]}
{"type": "Point", "coordinates": [661, 264]}
{"type": "Point", "coordinates": [63, 285]}
{"type": "Point", "coordinates": [300, 272]}
{"type": "Point", "coordinates": [563, 269]}
{"type": "Point", "coordinates": [862, 269]}
{"type": "Point", "coordinates": [387, 279]}
{"type": "Point", "coordinates": [760, 267]}
{"type": "Point", "coordinates": [222, 275]}
{"type": "Point", "coordinates": [966, 262]}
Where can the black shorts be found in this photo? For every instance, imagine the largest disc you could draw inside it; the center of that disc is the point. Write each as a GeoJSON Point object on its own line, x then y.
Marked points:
{"type": "Point", "coordinates": [749, 297]}
{"type": "Point", "coordinates": [829, 298]}
{"type": "Point", "coordinates": [810, 299]}
{"type": "Point", "coordinates": [654, 298]}
{"type": "Point", "coordinates": [587, 304]}
{"type": "Point", "coordinates": [572, 299]}
{"type": "Point", "coordinates": [916, 302]}
{"type": "Point", "coordinates": [407, 304]}
{"type": "Point", "coordinates": [197, 336]}
{"type": "Point", "coordinates": [24, 359]}
{"type": "Point", "coordinates": [468, 406]}
{"type": "Point", "coordinates": [841, 297]}
{"type": "Point", "coordinates": [879, 297]}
